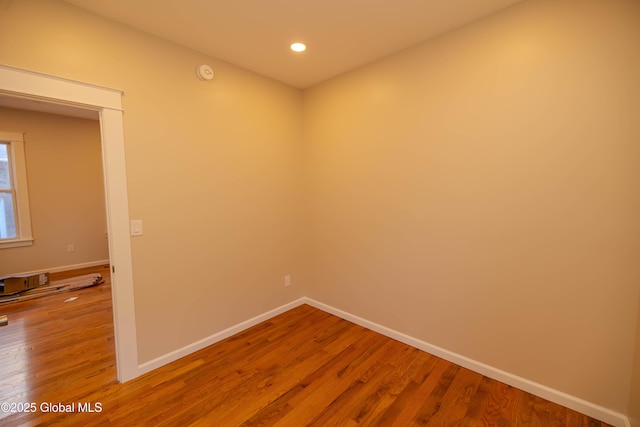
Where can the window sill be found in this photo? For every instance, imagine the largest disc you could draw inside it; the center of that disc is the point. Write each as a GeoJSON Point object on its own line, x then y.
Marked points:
{"type": "Point", "coordinates": [15, 243]}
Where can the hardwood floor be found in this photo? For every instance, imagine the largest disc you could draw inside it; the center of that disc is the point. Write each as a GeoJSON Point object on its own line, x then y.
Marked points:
{"type": "Point", "coordinates": [304, 367]}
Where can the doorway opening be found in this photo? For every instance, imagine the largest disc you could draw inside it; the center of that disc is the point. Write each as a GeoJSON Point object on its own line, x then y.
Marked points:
{"type": "Point", "coordinates": [54, 92]}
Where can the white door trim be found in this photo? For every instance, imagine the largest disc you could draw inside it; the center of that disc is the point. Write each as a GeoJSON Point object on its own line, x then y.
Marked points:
{"type": "Point", "coordinates": [108, 103]}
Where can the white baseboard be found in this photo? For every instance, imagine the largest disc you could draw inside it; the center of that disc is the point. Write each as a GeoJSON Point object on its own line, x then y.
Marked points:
{"type": "Point", "coordinates": [212, 339]}
{"type": "Point", "coordinates": [67, 267]}
{"type": "Point", "coordinates": [561, 398]}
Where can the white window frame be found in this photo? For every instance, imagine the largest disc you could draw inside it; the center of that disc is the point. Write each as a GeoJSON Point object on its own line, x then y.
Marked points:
{"type": "Point", "coordinates": [18, 169]}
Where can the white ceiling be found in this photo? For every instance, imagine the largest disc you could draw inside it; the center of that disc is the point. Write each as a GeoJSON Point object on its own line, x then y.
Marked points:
{"type": "Point", "coordinates": [255, 34]}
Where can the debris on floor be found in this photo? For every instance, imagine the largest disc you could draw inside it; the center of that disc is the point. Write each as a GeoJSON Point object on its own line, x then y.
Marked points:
{"type": "Point", "coordinates": [55, 287]}
{"type": "Point", "coordinates": [10, 285]}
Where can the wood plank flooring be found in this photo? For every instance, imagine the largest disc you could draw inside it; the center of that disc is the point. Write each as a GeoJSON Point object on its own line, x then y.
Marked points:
{"type": "Point", "coordinates": [302, 368]}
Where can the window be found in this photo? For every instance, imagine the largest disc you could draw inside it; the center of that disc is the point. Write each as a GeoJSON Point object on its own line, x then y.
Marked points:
{"type": "Point", "coordinates": [7, 196]}
{"type": "Point", "coordinates": [15, 221]}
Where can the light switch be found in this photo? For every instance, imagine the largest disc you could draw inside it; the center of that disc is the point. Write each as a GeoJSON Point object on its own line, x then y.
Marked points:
{"type": "Point", "coordinates": [136, 227]}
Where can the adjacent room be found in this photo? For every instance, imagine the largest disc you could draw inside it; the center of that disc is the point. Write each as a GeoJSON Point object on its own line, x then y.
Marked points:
{"type": "Point", "coordinates": [471, 194]}
{"type": "Point", "coordinates": [65, 190]}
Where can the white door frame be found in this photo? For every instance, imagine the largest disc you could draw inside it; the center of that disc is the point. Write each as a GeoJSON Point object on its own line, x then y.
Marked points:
{"type": "Point", "coordinates": [108, 103]}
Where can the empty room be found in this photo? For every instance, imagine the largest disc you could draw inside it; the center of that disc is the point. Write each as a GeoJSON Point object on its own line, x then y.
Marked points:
{"type": "Point", "coordinates": [427, 217]}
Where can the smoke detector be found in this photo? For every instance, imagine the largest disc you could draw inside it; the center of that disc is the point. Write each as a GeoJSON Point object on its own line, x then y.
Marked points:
{"type": "Point", "coordinates": [205, 72]}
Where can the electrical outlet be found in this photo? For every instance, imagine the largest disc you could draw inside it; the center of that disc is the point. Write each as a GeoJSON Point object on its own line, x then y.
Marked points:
{"type": "Point", "coordinates": [287, 280]}
{"type": "Point", "coordinates": [71, 248]}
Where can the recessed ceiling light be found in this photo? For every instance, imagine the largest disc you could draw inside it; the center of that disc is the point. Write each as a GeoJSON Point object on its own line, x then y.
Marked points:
{"type": "Point", "coordinates": [298, 47]}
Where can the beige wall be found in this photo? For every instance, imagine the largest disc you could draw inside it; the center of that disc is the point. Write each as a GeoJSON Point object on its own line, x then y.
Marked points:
{"type": "Point", "coordinates": [212, 169]}
{"type": "Point", "coordinates": [480, 192]}
{"type": "Point", "coordinates": [66, 191]}
{"type": "Point", "coordinates": [634, 397]}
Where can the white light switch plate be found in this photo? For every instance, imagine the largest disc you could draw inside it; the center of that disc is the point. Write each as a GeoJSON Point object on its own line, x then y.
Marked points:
{"type": "Point", "coordinates": [136, 227]}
